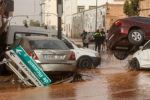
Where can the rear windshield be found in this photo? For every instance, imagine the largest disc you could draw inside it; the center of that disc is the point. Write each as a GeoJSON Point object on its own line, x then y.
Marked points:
{"type": "Point", "coordinates": [48, 44]}
{"type": "Point", "coordinates": [19, 35]}
{"type": "Point", "coordinates": [146, 20]}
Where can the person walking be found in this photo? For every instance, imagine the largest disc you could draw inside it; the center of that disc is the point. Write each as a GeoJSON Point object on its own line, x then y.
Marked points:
{"type": "Point", "coordinates": [86, 40]}
{"type": "Point", "coordinates": [98, 40]}
{"type": "Point", "coordinates": [83, 35]}
{"type": "Point", "coordinates": [103, 38]}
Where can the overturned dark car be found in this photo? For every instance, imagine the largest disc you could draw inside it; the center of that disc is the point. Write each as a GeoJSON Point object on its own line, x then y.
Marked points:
{"type": "Point", "coordinates": [127, 34]}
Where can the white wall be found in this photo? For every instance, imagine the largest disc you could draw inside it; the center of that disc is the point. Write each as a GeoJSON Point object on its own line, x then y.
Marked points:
{"type": "Point", "coordinates": [86, 21]}
{"type": "Point", "coordinates": [88, 3]}
{"type": "Point", "coordinates": [70, 8]}
{"type": "Point", "coordinates": [90, 19]}
{"type": "Point", "coordinates": [50, 11]}
{"type": "Point", "coordinates": [100, 2]}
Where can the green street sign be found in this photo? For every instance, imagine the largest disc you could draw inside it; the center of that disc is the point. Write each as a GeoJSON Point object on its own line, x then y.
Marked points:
{"type": "Point", "coordinates": [32, 65]}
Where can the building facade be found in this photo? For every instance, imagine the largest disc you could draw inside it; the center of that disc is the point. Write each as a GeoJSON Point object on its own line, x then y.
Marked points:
{"type": "Point", "coordinates": [49, 13]}
{"type": "Point", "coordinates": [145, 8]}
{"type": "Point", "coordinates": [72, 8]}
{"type": "Point", "coordinates": [78, 7]}
{"type": "Point", "coordinates": [106, 15]}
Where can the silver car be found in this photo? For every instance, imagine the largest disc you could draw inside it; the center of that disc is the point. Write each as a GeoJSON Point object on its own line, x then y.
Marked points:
{"type": "Point", "coordinates": [50, 53]}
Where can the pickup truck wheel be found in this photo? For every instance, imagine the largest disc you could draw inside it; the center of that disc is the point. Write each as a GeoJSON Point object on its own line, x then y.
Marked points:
{"type": "Point", "coordinates": [136, 37]}
{"type": "Point", "coordinates": [134, 64]}
{"type": "Point", "coordinates": [121, 54]}
{"type": "Point", "coordinates": [85, 62]}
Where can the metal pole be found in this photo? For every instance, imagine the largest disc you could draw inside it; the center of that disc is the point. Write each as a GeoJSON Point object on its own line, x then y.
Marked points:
{"type": "Point", "coordinates": [42, 12]}
{"type": "Point", "coordinates": [96, 17]}
{"type": "Point", "coordinates": [59, 11]}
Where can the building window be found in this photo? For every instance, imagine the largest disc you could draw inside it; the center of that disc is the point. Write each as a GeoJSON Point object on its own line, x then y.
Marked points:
{"type": "Point", "coordinates": [80, 8]}
{"type": "Point", "coordinates": [92, 7]}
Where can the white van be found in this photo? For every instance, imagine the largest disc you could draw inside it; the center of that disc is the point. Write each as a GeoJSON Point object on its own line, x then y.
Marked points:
{"type": "Point", "coordinates": [16, 32]}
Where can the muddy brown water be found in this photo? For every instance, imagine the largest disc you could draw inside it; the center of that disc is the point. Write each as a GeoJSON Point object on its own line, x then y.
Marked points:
{"type": "Point", "coordinates": [110, 81]}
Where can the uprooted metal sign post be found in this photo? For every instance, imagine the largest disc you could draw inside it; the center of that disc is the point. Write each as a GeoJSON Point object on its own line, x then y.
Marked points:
{"type": "Point", "coordinates": [32, 73]}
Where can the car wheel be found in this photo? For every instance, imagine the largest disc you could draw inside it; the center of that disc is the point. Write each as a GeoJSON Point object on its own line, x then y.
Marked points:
{"type": "Point", "coordinates": [134, 64]}
{"type": "Point", "coordinates": [85, 62]}
{"type": "Point", "coordinates": [121, 54]}
{"type": "Point", "coordinates": [136, 37]}
{"type": "Point", "coordinates": [96, 64]}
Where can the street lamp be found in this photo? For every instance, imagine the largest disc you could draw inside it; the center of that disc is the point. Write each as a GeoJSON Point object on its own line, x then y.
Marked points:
{"type": "Point", "coordinates": [42, 7]}
{"type": "Point", "coordinates": [46, 14]}
{"type": "Point", "coordinates": [96, 17]}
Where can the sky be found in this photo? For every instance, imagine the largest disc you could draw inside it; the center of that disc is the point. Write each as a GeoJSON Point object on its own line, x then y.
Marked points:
{"type": "Point", "coordinates": [25, 7]}
{"type": "Point", "coordinates": [32, 9]}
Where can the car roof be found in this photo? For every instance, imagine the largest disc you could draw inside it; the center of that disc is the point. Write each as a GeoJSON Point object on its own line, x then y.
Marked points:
{"type": "Point", "coordinates": [39, 38]}
{"type": "Point", "coordinates": [137, 17]}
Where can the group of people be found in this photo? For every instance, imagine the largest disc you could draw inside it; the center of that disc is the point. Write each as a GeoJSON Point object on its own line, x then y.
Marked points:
{"type": "Point", "coordinates": [99, 38]}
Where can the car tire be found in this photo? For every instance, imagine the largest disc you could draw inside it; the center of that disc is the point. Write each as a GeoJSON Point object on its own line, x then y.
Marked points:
{"type": "Point", "coordinates": [136, 37]}
{"type": "Point", "coordinates": [97, 64]}
{"type": "Point", "coordinates": [85, 62]}
{"type": "Point", "coordinates": [134, 64]}
{"type": "Point", "coordinates": [121, 54]}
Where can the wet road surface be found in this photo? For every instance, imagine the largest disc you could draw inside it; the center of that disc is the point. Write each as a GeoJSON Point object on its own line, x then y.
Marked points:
{"type": "Point", "coordinates": [110, 81]}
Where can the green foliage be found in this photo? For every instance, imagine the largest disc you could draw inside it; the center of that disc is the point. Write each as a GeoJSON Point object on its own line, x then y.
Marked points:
{"type": "Point", "coordinates": [25, 23]}
{"type": "Point", "coordinates": [131, 7]}
{"type": "Point", "coordinates": [126, 7]}
{"type": "Point", "coordinates": [34, 23]}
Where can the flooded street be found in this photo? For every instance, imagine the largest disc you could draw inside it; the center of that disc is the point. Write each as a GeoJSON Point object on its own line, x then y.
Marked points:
{"type": "Point", "coordinates": [110, 81]}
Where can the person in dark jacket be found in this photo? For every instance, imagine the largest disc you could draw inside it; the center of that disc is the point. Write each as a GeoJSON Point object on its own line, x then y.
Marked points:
{"type": "Point", "coordinates": [98, 40]}
{"type": "Point", "coordinates": [103, 38]}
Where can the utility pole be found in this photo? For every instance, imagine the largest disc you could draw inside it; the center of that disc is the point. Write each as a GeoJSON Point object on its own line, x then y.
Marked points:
{"type": "Point", "coordinates": [59, 13]}
{"type": "Point", "coordinates": [42, 7]}
{"type": "Point", "coordinates": [96, 18]}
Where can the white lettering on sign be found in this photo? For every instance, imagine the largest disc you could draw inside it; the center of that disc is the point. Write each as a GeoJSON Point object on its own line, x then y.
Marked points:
{"type": "Point", "coordinates": [29, 72]}
{"type": "Point", "coordinates": [35, 68]}
{"type": "Point", "coordinates": [12, 55]}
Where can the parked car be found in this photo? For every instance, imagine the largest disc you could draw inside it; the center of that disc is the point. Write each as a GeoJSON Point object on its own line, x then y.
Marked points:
{"type": "Point", "coordinates": [127, 34]}
{"type": "Point", "coordinates": [50, 53]}
{"type": "Point", "coordinates": [141, 58]}
{"type": "Point", "coordinates": [86, 58]}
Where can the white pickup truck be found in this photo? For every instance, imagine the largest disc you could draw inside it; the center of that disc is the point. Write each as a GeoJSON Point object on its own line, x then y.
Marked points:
{"type": "Point", "coordinates": [16, 32]}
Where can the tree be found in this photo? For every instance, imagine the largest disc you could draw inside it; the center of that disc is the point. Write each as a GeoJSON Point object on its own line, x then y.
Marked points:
{"type": "Point", "coordinates": [34, 23]}
{"type": "Point", "coordinates": [135, 7]}
{"type": "Point", "coordinates": [131, 7]}
{"type": "Point", "coordinates": [126, 7]}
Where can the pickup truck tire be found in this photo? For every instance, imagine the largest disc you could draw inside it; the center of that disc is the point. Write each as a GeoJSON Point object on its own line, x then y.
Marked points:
{"type": "Point", "coordinates": [136, 37]}
{"type": "Point", "coordinates": [121, 54]}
